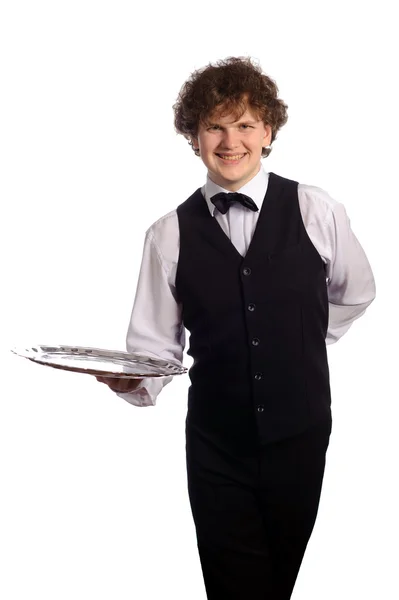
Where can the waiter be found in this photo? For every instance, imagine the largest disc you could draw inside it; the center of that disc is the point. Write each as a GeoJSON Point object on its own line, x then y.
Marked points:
{"type": "Point", "coordinates": [263, 272]}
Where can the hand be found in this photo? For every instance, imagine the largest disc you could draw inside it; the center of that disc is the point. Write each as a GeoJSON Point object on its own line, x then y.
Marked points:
{"type": "Point", "coordinates": [120, 385]}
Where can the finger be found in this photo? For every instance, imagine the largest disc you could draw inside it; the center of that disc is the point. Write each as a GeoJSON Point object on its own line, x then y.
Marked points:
{"type": "Point", "coordinates": [105, 380]}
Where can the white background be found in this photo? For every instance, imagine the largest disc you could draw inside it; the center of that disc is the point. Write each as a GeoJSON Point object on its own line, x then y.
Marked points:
{"type": "Point", "coordinates": [93, 490]}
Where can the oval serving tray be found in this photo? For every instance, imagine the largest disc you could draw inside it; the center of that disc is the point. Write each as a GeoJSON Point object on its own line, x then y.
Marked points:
{"type": "Point", "coordinates": [101, 362]}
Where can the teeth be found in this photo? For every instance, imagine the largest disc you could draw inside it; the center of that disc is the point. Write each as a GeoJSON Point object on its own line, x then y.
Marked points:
{"type": "Point", "coordinates": [237, 157]}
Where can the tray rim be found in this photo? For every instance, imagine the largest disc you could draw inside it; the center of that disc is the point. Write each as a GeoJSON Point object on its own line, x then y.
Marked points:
{"type": "Point", "coordinates": [27, 352]}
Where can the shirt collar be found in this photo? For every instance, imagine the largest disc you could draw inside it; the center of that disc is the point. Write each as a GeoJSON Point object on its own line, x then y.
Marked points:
{"type": "Point", "coordinates": [255, 189]}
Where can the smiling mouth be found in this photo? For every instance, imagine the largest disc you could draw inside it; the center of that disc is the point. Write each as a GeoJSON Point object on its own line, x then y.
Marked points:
{"type": "Point", "coordinates": [231, 158]}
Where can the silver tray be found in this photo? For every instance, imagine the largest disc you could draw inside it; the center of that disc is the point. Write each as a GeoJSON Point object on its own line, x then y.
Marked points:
{"type": "Point", "coordinates": [105, 363]}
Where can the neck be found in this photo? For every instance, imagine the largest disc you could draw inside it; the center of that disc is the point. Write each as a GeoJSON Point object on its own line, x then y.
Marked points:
{"type": "Point", "coordinates": [233, 186]}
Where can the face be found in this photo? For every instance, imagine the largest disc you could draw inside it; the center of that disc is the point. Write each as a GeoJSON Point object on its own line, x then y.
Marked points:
{"type": "Point", "coordinates": [242, 140]}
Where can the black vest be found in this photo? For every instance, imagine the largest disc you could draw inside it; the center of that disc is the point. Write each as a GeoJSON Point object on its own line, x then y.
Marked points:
{"type": "Point", "coordinates": [257, 323]}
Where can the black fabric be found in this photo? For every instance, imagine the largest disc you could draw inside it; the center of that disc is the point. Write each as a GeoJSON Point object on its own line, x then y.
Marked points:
{"type": "Point", "coordinates": [223, 201]}
{"type": "Point", "coordinates": [254, 514]}
{"type": "Point", "coordinates": [258, 418]}
{"type": "Point", "coordinates": [257, 324]}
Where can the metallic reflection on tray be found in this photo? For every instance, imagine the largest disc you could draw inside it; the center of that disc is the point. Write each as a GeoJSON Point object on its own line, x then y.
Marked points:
{"type": "Point", "coordinates": [104, 363]}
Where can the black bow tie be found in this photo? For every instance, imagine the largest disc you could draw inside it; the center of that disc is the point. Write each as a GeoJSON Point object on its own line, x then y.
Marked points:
{"type": "Point", "coordinates": [223, 201]}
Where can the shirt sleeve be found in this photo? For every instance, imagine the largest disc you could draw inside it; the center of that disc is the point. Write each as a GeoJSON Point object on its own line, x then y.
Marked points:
{"type": "Point", "coordinates": [351, 285]}
{"type": "Point", "coordinates": [155, 326]}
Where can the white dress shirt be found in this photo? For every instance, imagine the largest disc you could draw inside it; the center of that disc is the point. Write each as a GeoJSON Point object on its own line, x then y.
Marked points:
{"type": "Point", "coordinates": [156, 327]}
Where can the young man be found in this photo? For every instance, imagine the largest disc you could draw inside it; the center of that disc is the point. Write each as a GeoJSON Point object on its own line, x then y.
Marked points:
{"type": "Point", "coordinates": [263, 272]}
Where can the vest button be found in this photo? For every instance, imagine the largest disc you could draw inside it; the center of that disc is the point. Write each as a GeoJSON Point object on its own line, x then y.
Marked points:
{"type": "Point", "coordinates": [256, 342]}
{"type": "Point", "coordinates": [246, 271]}
{"type": "Point", "coordinates": [251, 307]}
{"type": "Point", "coordinates": [258, 376]}
{"type": "Point", "coordinates": [261, 408]}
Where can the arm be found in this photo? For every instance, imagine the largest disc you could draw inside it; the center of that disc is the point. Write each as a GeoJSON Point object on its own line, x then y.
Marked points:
{"type": "Point", "coordinates": [155, 326]}
{"type": "Point", "coordinates": [351, 285]}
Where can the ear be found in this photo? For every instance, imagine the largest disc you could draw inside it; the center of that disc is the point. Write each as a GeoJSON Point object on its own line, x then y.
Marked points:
{"type": "Point", "coordinates": [267, 138]}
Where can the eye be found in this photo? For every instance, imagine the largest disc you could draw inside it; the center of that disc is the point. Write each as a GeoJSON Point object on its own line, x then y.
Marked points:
{"type": "Point", "coordinates": [218, 126]}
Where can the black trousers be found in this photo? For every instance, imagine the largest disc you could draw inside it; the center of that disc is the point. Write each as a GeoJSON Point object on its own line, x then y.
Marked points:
{"type": "Point", "coordinates": [254, 511]}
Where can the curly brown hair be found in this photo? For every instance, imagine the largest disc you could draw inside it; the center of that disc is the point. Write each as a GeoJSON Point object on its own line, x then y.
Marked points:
{"type": "Point", "coordinates": [229, 86]}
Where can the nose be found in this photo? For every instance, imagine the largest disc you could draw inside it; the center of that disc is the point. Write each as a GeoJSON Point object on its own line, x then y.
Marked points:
{"type": "Point", "coordinates": [230, 139]}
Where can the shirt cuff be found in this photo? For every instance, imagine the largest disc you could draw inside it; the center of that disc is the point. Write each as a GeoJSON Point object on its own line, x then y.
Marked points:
{"type": "Point", "coordinates": [140, 397]}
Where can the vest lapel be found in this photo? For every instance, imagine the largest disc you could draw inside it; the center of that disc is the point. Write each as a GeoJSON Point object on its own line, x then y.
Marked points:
{"type": "Point", "coordinates": [214, 234]}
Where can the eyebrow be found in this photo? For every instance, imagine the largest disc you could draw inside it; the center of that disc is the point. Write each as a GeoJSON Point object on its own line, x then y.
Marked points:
{"type": "Point", "coordinates": [246, 122]}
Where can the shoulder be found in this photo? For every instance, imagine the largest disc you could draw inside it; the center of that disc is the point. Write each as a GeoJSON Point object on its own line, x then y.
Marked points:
{"type": "Point", "coordinates": [167, 227]}
{"type": "Point", "coordinates": [317, 204]}
{"type": "Point", "coordinates": [314, 198]}
{"type": "Point", "coordinates": [163, 227]}
{"type": "Point", "coordinates": [317, 195]}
